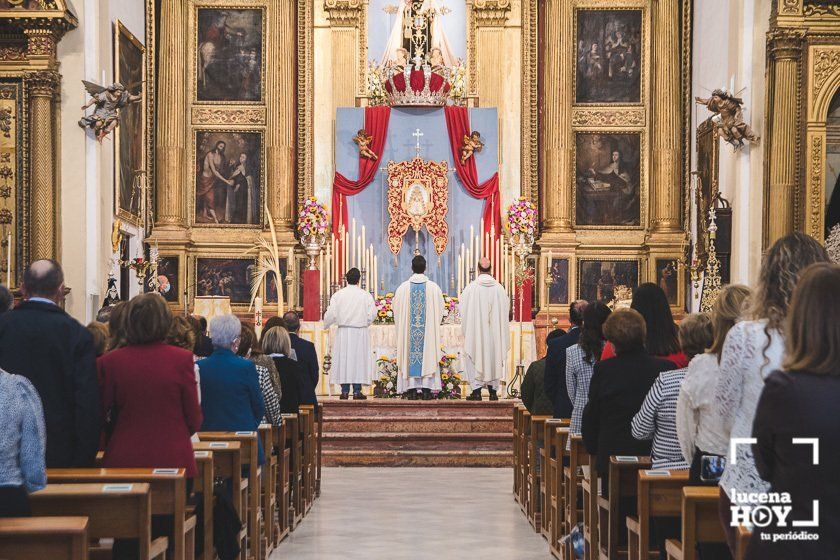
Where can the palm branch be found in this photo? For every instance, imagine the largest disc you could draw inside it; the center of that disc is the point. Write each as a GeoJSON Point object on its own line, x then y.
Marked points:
{"type": "Point", "coordinates": [266, 264]}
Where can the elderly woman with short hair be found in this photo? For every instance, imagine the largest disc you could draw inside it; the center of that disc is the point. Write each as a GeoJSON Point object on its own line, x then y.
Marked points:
{"type": "Point", "coordinates": [296, 384]}
{"type": "Point", "coordinates": [230, 389]}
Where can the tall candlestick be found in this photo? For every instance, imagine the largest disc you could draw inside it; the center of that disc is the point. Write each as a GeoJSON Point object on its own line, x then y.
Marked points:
{"type": "Point", "coordinates": [354, 256]}
{"type": "Point", "coordinates": [375, 276]}
{"type": "Point", "coordinates": [472, 244]}
{"type": "Point", "coordinates": [345, 249]}
{"type": "Point", "coordinates": [475, 261]}
{"type": "Point", "coordinates": [364, 246]}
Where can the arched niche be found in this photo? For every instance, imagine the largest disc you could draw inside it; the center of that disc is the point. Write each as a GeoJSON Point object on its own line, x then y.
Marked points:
{"type": "Point", "coordinates": [832, 164]}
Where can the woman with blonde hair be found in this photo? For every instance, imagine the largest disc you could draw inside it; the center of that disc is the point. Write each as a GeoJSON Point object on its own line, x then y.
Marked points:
{"type": "Point", "coordinates": [699, 427]}
{"type": "Point", "coordinates": [752, 350]}
{"type": "Point", "coordinates": [295, 383]}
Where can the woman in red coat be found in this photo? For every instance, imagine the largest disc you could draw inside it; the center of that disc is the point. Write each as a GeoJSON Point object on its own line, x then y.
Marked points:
{"type": "Point", "coordinates": [149, 393]}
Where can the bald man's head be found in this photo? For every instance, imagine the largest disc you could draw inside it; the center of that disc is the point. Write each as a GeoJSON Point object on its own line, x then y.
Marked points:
{"type": "Point", "coordinates": [484, 265]}
{"type": "Point", "coordinates": [292, 321]}
{"type": "Point", "coordinates": [44, 278]}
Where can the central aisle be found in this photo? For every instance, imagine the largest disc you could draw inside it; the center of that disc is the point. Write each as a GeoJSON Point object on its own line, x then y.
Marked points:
{"type": "Point", "coordinates": [415, 514]}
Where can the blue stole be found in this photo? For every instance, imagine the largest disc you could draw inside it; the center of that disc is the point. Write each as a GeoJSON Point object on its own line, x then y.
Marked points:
{"type": "Point", "coordinates": [417, 330]}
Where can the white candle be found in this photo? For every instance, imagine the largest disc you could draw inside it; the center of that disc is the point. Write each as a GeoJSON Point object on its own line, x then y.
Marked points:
{"type": "Point", "coordinates": [476, 257]}
{"type": "Point", "coordinates": [354, 256]}
{"type": "Point", "coordinates": [345, 252]}
{"type": "Point", "coordinates": [375, 276]}
{"type": "Point", "coordinates": [364, 248]}
{"type": "Point", "coordinates": [472, 248]}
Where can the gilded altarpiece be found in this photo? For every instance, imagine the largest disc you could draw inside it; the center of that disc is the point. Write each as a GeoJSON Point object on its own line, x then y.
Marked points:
{"type": "Point", "coordinates": [613, 78]}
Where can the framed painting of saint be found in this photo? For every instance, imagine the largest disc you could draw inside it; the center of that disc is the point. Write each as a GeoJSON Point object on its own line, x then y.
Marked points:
{"type": "Point", "coordinates": [168, 279]}
{"type": "Point", "coordinates": [229, 55]}
{"type": "Point", "coordinates": [667, 278]}
{"type": "Point", "coordinates": [608, 56]}
{"type": "Point", "coordinates": [228, 178]}
{"type": "Point", "coordinates": [608, 179]}
{"type": "Point", "coordinates": [130, 136]}
{"type": "Point", "coordinates": [601, 280]}
{"type": "Point", "coordinates": [558, 288]}
{"type": "Point", "coordinates": [224, 277]}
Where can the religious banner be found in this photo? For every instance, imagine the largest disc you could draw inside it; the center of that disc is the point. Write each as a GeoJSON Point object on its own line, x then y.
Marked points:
{"type": "Point", "coordinates": [418, 195]}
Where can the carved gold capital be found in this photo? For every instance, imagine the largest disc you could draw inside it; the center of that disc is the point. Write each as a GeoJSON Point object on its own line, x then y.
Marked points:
{"type": "Point", "coordinates": [345, 13]}
{"type": "Point", "coordinates": [785, 44]}
{"type": "Point", "coordinates": [490, 13]}
{"type": "Point", "coordinates": [43, 83]}
{"type": "Point", "coordinates": [40, 43]}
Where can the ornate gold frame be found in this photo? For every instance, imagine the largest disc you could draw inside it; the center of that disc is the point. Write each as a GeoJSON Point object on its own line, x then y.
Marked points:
{"type": "Point", "coordinates": [121, 30]}
{"type": "Point", "coordinates": [590, 257]}
{"type": "Point", "coordinates": [237, 306]}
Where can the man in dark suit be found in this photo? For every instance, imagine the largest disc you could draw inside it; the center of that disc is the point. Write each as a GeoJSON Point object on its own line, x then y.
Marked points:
{"type": "Point", "coordinates": [46, 345]}
{"type": "Point", "coordinates": [305, 350]}
{"type": "Point", "coordinates": [555, 362]}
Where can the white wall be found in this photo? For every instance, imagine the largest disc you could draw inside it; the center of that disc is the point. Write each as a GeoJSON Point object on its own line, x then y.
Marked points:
{"type": "Point", "coordinates": [729, 51]}
{"type": "Point", "coordinates": [86, 169]}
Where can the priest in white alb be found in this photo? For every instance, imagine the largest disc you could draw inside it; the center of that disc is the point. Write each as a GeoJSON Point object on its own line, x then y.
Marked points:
{"type": "Point", "coordinates": [353, 310]}
{"type": "Point", "coordinates": [485, 322]}
{"type": "Point", "coordinates": [418, 313]}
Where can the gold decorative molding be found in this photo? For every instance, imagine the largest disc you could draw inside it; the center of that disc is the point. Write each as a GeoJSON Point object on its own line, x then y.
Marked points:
{"type": "Point", "coordinates": [816, 185]}
{"type": "Point", "coordinates": [344, 13]}
{"type": "Point", "coordinates": [491, 13]}
{"type": "Point", "coordinates": [530, 156]}
{"type": "Point", "coordinates": [825, 63]}
{"type": "Point", "coordinates": [305, 81]}
{"type": "Point", "coordinates": [11, 53]}
{"type": "Point", "coordinates": [228, 116]}
{"type": "Point", "coordinates": [812, 10]}
{"type": "Point", "coordinates": [790, 7]}
{"type": "Point", "coordinates": [40, 43]}
{"type": "Point", "coordinates": [608, 117]}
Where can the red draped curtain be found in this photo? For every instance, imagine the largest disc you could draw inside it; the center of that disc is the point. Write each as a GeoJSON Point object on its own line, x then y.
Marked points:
{"type": "Point", "coordinates": [376, 124]}
{"type": "Point", "coordinates": [458, 126]}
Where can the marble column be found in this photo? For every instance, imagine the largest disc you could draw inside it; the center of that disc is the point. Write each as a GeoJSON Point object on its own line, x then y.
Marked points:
{"type": "Point", "coordinates": [666, 137]}
{"type": "Point", "coordinates": [43, 87]}
{"type": "Point", "coordinates": [784, 51]}
{"type": "Point", "coordinates": [170, 152]}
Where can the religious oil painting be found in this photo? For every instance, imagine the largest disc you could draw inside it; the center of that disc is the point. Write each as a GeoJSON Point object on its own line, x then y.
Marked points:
{"type": "Point", "coordinates": [224, 277]}
{"type": "Point", "coordinates": [605, 280]}
{"type": "Point", "coordinates": [609, 61]}
{"type": "Point", "coordinates": [229, 64]}
{"type": "Point", "coordinates": [558, 287]}
{"type": "Point", "coordinates": [130, 145]}
{"type": "Point", "coordinates": [271, 284]}
{"type": "Point", "coordinates": [228, 179]}
{"type": "Point", "coordinates": [168, 269]}
{"type": "Point", "coordinates": [608, 179]}
{"type": "Point", "coordinates": [667, 278]}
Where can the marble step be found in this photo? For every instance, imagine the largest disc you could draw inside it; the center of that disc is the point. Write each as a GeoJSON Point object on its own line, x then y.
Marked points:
{"type": "Point", "coordinates": [425, 409]}
{"type": "Point", "coordinates": [436, 458]}
{"type": "Point", "coordinates": [417, 441]}
{"type": "Point", "coordinates": [413, 423]}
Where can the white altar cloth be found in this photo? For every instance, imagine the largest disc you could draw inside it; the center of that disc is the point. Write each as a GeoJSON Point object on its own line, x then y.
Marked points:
{"type": "Point", "coordinates": [383, 339]}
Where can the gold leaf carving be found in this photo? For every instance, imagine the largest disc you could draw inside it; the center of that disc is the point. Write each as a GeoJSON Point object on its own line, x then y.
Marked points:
{"type": "Point", "coordinates": [816, 187]}
{"type": "Point", "coordinates": [826, 63]}
{"type": "Point", "coordinates": [233, 116]}
{"type": "Point", "coordinates": [608, 117]}
{"type": "Point", "coordinates": [790, 6]}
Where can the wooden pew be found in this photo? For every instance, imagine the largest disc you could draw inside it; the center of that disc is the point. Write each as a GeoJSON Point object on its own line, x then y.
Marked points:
{"type": "Point", "coordinates": [283, 481]}
{"type": "Point", "coordinates": [573, 487]}
{"type": "Point", "coordinates": [169, 497]}
{"type": "Point", "coordinates": [114, 511]}
{"type": "Point", "coordinates": [517, 447]}
{"type": "Point", "coordinates": [742, 542]}
{"type": "Point", "coordinates": [248, 444]}
{"type": "Point", "coordinates": [307, 434]}
{"type": "Point", "coordinates": [319, 437]}
{"type": "Point", "coordinates": [557, 492]}
{"type": "Point", "coordinates": [548, 483]}
{"type": "Point", "coordinates": [227, 464]}
{"type": "Point", "coordinates": [700, 522]}
{"type": "Point", "coordinates": [37, 538]}
{"type": "Point", "coordinates": [203, 483]}
{"type": "Point", "coordinates": [590, 485]}
{"type": "Point", "coordinates": [295, 445]}
{"type": "Point", "coordinates": [659, 495]}
{"type": "Point", "coordinates": [269, 489]}
{"type": "Point", "coordinates": [535, 470]}
{"type": "Point", "coordinates": [525, 464]}
{"type": "Point", "coordinates": [622, 483]}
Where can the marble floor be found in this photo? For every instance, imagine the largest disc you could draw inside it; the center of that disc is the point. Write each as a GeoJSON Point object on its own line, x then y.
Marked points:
{"type": "Point", "coordinates": [415, 514]}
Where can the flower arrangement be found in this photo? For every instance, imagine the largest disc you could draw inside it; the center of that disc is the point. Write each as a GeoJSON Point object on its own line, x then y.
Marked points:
{"type": "Point", "coordinates": [385, 309]}
{"type": "Point", "coordinates": [450, 380]}
{"type": "Point", "coordinates": [451, 313]}
{"type": "Point", "coordinates": [385, 386]}
{"type": "Point", "coordinates": [522, 218]}
{"type": "Point", "coordinates": [313, 219]}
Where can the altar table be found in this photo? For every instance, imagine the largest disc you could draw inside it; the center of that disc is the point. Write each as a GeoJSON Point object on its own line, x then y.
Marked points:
{"type": "Point", "coordinates": [383, 340]}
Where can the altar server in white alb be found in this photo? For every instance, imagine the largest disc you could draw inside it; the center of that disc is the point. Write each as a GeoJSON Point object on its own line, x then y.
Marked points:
{"type": "Point", "coordinates": [353, 310]}
{"type": "Point", "coordinates": [485, 323]}
{"type": "Point", "coordinates": [418, 312]}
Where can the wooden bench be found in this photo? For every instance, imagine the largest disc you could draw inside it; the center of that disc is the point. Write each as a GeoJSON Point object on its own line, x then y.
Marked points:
{"type": "Point", "coordinates": [590, 485]}
{"type": "Point", "coordinates": [659, 495]}
{"type": "Point", "coordinates": [535, 470]}
{"type": "Point", "coordinates": [284, 454]}
{"type": "Point", "coordinates": [700, 522]}
{"type": "Point", "coordinates": [269, 489]}
{"type": "Point", "coordinates": [114, 511]}
{"type": "Point", "coordinates": [517, 448]}
{"type": "Point", "coordinates": [294, 444]}
{"type": "Point", "coordinates": [39, 538]}
{"type": "Point", "coordinates": [227, 464]}
{"type": "Point", "coordinates": [525, 464]}
{"type": "Point", "coordinates": [573, 487]}
{"type": "Point", "coordinates": [249, 448]}
{"type": "Point", "coordinates": [203, 483]}
{"type": "Point", "coordinates": [319, 437]}
{"type": "Point", "coordinates": [742, 542]}
{"type": "Point", "coordinates": [559, 436]}
{"type": "Point", "coordinates": [169, 497]}
{"type": "Point", "coordinates": [548, 456]}
{"type": "Point", "coordinates": [623, 476]}
{"type": "Point", "coordinates": [307, 434]}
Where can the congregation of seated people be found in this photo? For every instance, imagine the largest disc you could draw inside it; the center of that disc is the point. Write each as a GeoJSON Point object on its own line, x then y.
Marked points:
{"type": "Point", "coordinates": [763, 365]}
{"type": "Point", "coordinates": [133, 389]}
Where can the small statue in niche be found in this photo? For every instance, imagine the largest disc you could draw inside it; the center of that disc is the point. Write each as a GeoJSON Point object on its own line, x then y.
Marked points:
{"type": "Point", "coordinates": [729, 117]}
{"type": "Point", "coordinates": [112, 296]}
{"type": "Point", "coordinates": [109, 101]}
{"type": "Point", "coordinates": [470, 145]}
{"type": "Point", "coordinates": [364, 140]}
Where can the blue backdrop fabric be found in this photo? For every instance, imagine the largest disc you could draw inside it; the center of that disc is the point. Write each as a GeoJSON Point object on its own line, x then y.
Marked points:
{"type": "Point", "coordinates": [370, 207]}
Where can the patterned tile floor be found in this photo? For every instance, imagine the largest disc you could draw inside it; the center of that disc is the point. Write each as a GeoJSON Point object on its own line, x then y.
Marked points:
{"type": "Point", "coordinates": [415, 514]}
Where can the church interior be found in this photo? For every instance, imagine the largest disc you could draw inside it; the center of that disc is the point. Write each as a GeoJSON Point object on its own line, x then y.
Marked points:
{"type": "Point", "coordinates": [504, 279]}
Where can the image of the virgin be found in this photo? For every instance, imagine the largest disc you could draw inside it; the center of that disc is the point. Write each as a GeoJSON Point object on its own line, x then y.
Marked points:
{"type": "Point", "coordinates": [416, 200]}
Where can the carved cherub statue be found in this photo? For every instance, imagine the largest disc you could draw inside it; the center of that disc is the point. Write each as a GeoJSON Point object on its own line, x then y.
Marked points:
{"type": "Point", "coordinates": [108, 100]}
{"type": "Point", "coordinates": [729, 117]}
{"type": "Point", "coordinates": [364, 140]}
{"type": "Point", "coordinates": [471, 144]}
